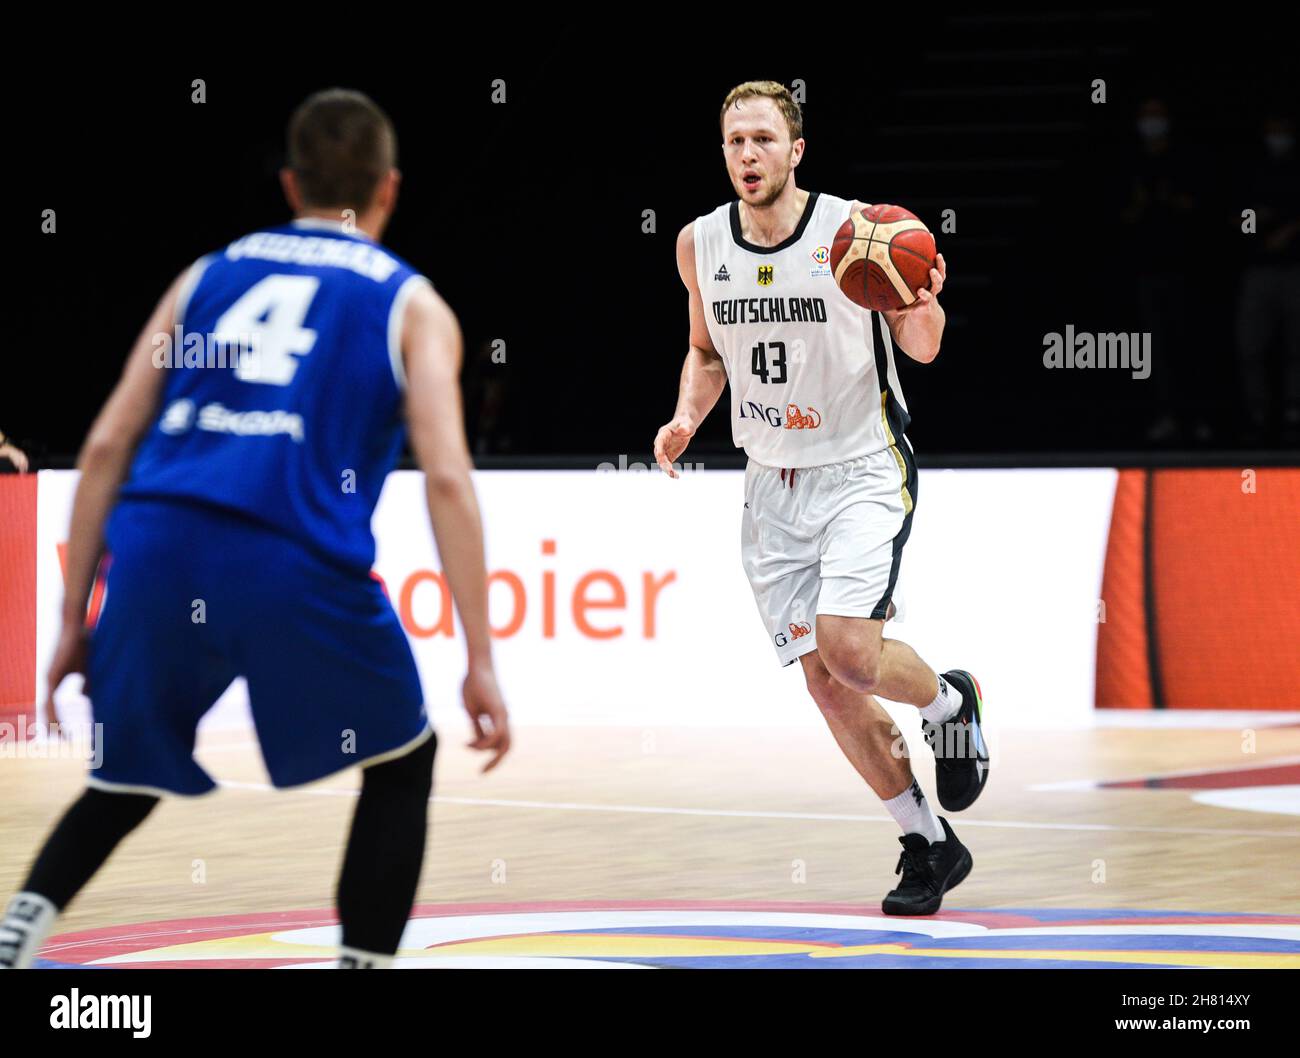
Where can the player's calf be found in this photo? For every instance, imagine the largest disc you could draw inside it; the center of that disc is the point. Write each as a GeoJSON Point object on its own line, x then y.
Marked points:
{"type": "Point", "coordinates": [385, 851]}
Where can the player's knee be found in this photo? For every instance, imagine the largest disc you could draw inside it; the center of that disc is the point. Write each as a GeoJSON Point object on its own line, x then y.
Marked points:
{"type": "Point", "coordinates": [856, 670]}
{"type": "Point", "coordinates": [865, 677]}
{"type": "Point", "coordinates": [837, 700]}
{"type": "Point", "coordinates": [821, 686]}
{"type": "Point", "coordinates": [832, 699]}
{"type": "Point", "coordinates": [408, 775]}
{"type": "Point", "coordinates": [116, 810]}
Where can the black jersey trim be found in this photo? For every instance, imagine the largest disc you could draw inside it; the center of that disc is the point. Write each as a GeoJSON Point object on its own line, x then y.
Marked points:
{"type": "Point", "coordinates": [881, 610]}
{"type": "Point", "coordinates": [793, 238]}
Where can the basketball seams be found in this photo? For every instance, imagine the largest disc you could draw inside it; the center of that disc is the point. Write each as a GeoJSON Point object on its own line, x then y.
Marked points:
{"type": "Point", "coordinates": [885, 262]}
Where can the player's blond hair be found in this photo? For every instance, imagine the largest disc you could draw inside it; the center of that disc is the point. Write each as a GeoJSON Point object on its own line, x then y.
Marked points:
{"type": "Point", "coordinates": [773, 90]}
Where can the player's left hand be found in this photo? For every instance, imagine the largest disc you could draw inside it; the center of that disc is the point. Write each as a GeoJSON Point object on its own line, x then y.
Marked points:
{"type": "Point", "coordinates": [487, 712]}
{"type": "Point", "coordinates": [69, 657]}
{"type": "Point", "coordinates": [925, 298]}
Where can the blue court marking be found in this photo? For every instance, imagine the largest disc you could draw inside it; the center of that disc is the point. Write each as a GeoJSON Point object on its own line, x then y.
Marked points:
{"type": "Point", "coordinates": [1091, 942]}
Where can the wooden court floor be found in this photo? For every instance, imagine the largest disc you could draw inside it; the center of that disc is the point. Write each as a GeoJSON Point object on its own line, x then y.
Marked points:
{"type": "Point", "coordinates": [625, 814]}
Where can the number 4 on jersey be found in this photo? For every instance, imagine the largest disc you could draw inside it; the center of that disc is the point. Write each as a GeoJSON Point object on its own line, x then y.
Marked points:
{"type": "Point", "coordinates": [266, 325]}
{"type": "Point", "coordinates": [777, 369]}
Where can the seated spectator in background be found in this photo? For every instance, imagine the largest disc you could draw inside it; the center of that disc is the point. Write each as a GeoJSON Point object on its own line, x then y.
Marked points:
{"type": "Point", "coordinates": [1161, 221]}
{"type": "Point", "coordinates": [1268, 309]}
{"type": "Point", "coordinates": [13, 460]}
{"type": "Point", "coordinates": [485, 394]}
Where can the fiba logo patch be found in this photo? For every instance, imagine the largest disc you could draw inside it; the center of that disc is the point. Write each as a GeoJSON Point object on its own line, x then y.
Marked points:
{"type": "Point", "coordinates": [765, 275]}
{"type": "Point", "coordinates": [821, 262]}
{"type": "Point", "coordinates": [178, 417]}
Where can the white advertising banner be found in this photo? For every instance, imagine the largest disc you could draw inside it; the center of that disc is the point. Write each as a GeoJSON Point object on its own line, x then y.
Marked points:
{"type": "Point", "coordinates": [619, 598]}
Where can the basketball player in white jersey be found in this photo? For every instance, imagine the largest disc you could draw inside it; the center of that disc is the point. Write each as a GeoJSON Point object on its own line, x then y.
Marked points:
{"type": "Point", "coordinates": [830, 485]}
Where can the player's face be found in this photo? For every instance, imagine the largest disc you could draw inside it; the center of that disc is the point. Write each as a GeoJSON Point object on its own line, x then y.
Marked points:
{"type": "Point", "coordinates": [758, 151]}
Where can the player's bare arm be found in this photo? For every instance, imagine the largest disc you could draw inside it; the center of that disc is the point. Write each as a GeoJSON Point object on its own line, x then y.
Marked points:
{"type": "Point", "coordinates": [104, 461]}
{"type": "Point", "coordinates": [431, 352]}
{"type": "Point", "coordinates": [703, 375]}
{"type": "Point", "coordinates": [918, 329]}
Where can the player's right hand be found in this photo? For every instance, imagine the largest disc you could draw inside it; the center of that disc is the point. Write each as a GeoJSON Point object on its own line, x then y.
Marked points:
{"type": "Point", "coordinates": [487, 712]}
{"type": "Point", "coordinates": [69, 657]}
{"type": "Point", "coordinates": [671, 442]}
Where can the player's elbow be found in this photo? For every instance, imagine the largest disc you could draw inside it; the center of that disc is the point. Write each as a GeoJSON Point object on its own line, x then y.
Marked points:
{"type": "Point", "coordinates": [924, 355]}
{"type": "Point", "coordinates": [102, 448]}
{"type": "Point", "coordinates": [447, 484]}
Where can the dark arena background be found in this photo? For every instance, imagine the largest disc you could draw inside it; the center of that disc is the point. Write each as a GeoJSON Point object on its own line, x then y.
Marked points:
{"type": "Point", "coordinates": [1114, 551]}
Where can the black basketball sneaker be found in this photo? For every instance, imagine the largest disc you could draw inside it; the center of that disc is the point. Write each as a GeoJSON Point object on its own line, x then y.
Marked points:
{"type": "Point", "coordinates": [929, 870]}
{"type": "Point", "coordinates": [961, 756]}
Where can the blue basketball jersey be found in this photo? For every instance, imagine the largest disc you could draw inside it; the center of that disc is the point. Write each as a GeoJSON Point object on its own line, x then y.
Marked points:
{"type": "Point", "coordinates": [284, 392]}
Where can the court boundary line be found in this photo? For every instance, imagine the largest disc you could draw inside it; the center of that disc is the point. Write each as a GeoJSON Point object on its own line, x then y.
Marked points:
{"type": "Point", "coordinates": [738, 813]}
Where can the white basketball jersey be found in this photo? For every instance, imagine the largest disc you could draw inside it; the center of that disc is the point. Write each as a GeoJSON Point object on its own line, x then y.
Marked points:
{"type": "Point", "coordinates": [811, 374]}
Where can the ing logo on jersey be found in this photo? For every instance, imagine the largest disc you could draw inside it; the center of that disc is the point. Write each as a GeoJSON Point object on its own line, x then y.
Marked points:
{"type": "Point", "coordinates": [797, 420]}
{"type": "Point", "coordinates": [798, 631]}
{"type": "Point", "coordinates": [766, 275]}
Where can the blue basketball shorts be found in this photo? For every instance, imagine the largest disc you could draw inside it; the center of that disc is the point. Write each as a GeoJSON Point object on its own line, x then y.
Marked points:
{"type": "Point", "coordinates": [196, 597]}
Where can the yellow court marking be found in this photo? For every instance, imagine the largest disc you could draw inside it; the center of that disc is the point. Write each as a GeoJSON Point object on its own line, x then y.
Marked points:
{"type": "Point", "coordinates": [622, 946]}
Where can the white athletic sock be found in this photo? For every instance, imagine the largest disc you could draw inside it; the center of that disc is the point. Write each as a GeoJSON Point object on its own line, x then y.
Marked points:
{"type": "Point", "coordinates": [945, 704]}
{"type": "Point", "coordinates": [27, 922]}
{"type": "Point", "coordinates": [912, 811]}
{"type": "Point", "coordinates": [356, 959]}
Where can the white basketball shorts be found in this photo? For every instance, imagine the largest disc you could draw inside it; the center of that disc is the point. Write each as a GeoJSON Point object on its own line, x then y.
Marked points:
{"type": "Point", "coordinates": [826, 540]}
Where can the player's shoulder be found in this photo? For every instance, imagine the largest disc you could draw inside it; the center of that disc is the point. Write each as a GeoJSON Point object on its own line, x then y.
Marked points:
{"type": "Point", "coordinates": [719, 211]}
{"type": "Point", "coordinates": [686, 238]}
{"type": "Point", "coordinates": [706, 224]}
{"type": "Point", "coordinates": [690, 234]}
{"type": "Point", "coordinates": [713, 218]}
{"type": "Point", "coordinates": [834, 203]}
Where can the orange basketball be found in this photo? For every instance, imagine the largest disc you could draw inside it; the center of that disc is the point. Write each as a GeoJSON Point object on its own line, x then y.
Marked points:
{"type": "Point", "coordinates": [882, 255]}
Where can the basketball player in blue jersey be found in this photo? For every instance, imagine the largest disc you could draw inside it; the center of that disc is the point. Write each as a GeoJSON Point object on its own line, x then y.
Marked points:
{"type": "Point", "coordinates": [231, 478]}
{"type": "Point", "coordinates": [831, 484]}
